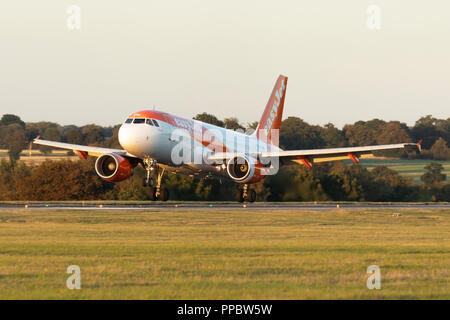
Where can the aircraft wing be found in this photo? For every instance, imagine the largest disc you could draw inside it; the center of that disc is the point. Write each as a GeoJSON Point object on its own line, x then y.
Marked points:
{"type": "Point", "coordinates": [83, 151]}
{"type": "Point", "coordinates": [308, 157]}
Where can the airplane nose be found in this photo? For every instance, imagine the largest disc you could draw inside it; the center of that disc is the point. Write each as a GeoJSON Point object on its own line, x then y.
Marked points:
{"type": "Point", "coordinates": [129, 138]}
{"type": "Point", "coordinates": [134, 139]}
{"type": "Point", "coordinates": [125, 136]}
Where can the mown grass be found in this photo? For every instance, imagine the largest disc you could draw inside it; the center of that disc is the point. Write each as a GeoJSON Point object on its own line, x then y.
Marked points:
{"type": "Point", "coordinates": [224, 254]}
{"type": "Point", "coordinates": [408, 168]}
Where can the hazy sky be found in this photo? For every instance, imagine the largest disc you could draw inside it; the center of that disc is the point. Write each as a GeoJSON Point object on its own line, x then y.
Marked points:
{"type": "Point", "coordinates": [223, 57]}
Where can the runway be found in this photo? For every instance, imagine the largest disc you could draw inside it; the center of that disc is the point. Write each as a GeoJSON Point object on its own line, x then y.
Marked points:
{"type": "Point", "coordinates": [170, 206]}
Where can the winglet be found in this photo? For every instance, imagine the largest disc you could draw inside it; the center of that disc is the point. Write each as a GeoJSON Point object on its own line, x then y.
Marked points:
{"type": "Point", "coordinates": [419, 145]}
{"type": "Point", "coordinates": [37, 138]}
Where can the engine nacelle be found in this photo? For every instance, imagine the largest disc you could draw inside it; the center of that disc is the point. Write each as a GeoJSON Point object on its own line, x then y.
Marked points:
{"type": "Point", "coordinates": [244, 169]}
{"type": "Point", "coordinates": [113, 167]}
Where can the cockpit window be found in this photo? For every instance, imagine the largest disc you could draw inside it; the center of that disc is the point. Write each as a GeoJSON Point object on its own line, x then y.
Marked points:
{"type": "Point", "coordinates": [156, 123]}
{"type": "Point", "coordinates": [149, 121]}
{"type": "Point", "coordinates": [139, 120]}
{"type": "Point", "coordinates": [129, 120]}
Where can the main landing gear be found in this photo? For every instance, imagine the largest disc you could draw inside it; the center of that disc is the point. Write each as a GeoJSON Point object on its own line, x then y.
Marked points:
{"type": "Point", "coordinates": [153, 170]}
{"type": "Point", "coordinates": [246, 194]}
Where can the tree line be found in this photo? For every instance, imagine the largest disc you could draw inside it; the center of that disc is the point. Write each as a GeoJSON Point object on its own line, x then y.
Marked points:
{"type": "Point", "coordinates": [77, 180]}
{"type": "Point", "coordinates": [295, 133]}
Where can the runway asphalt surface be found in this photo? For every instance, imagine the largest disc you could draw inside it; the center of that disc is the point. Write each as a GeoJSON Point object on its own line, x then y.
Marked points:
{"type": "Point", "coordinates": [214, 206]}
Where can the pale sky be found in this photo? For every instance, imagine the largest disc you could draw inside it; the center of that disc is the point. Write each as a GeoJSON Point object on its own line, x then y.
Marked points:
{"type": "Point", "coordinates": [223, 57]}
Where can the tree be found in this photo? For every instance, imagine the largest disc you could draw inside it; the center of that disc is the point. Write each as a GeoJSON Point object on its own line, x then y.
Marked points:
{"type": "Point", "coordinates": [209, 118]}
{"type": "Point", "coordinates": [443, 126]}
{"type": "Point", "coordinates": [8, 119]}
{"type": "Point", "coordinates": [363, 133]}
{"type": "Point", "coordinates": [387, 176]}
{"type": "Point", "coordinates": [232, 124]}
{"type": "Point", "coordinates": [31, 133]}
{"type": "Point", "coordinates": [113, 141]}
{"type": "Point", "coordinates": [332, 136]}
{"type": "Point", "coordinates": [434, 174]}
{"type": "Point", "coordinates": [304, 187]}
{"type": "Point", "coordinates": [8, 172]}
{"type": "Point", "coordinates": [425, 129]}
{"type": "Point", "coordinates": [13, 138]}
{"type": "Point", "coordinates": [92, 134]}
{"type": "Point", "coordinates": [60, 180]}
{"type": "Point", "coordinates": [388, 185]}
{"type": "Point", "coordinates": [52, 133]}
{"type": "Point", "coordinates": [440, 151]}
{"type": "Point", "coordinates": [11, 134]}
{"type": "Point", "coordinates": [42, 126]}
{"type": "Point", "coordinates": [74, 136]}
{"type": "Point", "coordinates": [14, 151]}
{"type": "Point", "coordinates": [393, 132]}
{"type": "Point", "coordinates": [297, 134]}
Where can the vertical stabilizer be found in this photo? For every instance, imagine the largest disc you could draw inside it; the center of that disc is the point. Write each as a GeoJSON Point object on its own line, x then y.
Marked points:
{"type": "Point", "coordinates": [271, 118]}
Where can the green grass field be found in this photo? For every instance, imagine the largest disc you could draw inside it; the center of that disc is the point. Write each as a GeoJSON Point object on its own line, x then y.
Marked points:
{"type": "Point", "coordinates": [408, 168]}
{"type": "Point", "coordinates": [224, 254]}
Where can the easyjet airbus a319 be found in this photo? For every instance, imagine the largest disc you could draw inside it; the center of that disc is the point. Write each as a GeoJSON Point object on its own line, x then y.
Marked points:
{"type": "Point", "coordinates": [161, 142]}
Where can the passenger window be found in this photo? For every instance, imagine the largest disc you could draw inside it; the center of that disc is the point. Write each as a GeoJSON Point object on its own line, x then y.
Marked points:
{"type": "Point", "coordinates": [129, 120]}
{"type": "Point", "coordinates": [139, 120]}
{"type": "Point", "coordinates": [156, 123]}
{"type": "Point", "coordinates": [149, 121]}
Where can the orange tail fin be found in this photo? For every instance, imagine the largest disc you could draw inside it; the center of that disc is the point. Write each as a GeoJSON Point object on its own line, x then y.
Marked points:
{"type": "Point", "coordinates": [271, 118]}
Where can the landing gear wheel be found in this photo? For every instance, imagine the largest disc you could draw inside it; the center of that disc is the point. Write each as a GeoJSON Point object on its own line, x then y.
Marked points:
{"type": "Point", "coordinates": [251, 196]}
{"type": "Point", "coordinates": [164, 194]}
{"type": "Point", "coordinates": [147, 182]}
{"type": "Point", "coordinates": [240, 195]}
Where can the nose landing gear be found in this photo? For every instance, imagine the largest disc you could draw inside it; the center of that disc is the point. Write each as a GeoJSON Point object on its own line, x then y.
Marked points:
{"type": "Point", "coordinates": [153, 169]}
{"type": "Point", "coordinates": [149, 165]}
{"type": "Point", "coordinates": [245, 194]}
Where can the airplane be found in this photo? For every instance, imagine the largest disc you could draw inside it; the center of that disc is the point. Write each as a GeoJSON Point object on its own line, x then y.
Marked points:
{"type": "Point", "coordinates": [161, 142]}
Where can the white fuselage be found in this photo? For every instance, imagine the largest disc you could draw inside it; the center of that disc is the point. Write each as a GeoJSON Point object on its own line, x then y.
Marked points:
{"type": "Point", "coordinates": [184, 144]}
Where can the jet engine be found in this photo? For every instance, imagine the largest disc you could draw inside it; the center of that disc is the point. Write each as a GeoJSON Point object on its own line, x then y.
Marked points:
{"type": "Point", "coordinates": [113, 167]}
{"type": "Point", "coordinates": [243, 169]}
